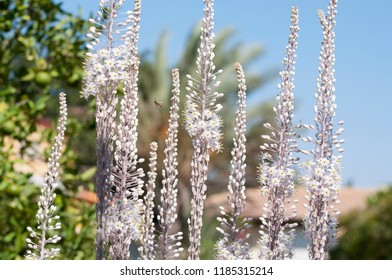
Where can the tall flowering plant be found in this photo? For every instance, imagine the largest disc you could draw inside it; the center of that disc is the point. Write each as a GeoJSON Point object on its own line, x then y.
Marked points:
{"type": "Point", "coordinates": [148, 246]}
{"type": "Point", "coordinates": [112, 61]}
{"type": "Point", "coordinates": [276, 173]}
{"type": "Point", "coordinates": [123, 217]}
{"type": "Point", "coordinates": [234, 243]}
{"type": "Point", "coordinates": [202, 123]}
{"type": "Point", "coordinates": [322, 178]}
{"type": "Point", "coordinates": [169, 242]}
{"type": "Point", "coordinates": [41, 240]}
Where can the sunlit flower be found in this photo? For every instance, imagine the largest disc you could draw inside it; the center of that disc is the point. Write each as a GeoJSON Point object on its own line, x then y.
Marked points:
{"type": "Point", "coordinates": [46, 214]}
{"type": "Point", "coordinates": [275, 175]}
{"type": "Point", "coordinates": [322, 178]}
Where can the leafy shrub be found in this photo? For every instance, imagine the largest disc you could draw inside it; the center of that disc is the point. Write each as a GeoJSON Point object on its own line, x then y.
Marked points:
{"type": "Point", "coordinates": [40, 54]}
{"type": "Point", "coordinates": [368, 234]}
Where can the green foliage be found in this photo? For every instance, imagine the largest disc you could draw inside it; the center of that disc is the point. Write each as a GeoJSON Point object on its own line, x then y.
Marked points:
{"type": "Point", "coordinates": [210, 236]}
{"type": "Point", "coordinates": [368, 234]}
{"type": "Point", "coordinates": [41, 49]}
{"type": "Point", "coordinates": [77, 231]}
{"type": "Point", "coordinates": [41, 52]}
{"type": "Point", "coordinates": [15, 214]}
{"type": "Point", "coordinates": [18, 205]}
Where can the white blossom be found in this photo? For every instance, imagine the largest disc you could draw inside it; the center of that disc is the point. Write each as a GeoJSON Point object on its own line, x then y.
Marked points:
{"type": "Point", "coordinates": [202, 123]}
{"type": "Point", "coordinates": [112, 60]}
{"type": "Point", "coordinates": [276, 175]}
{"type": "Point", "coordinates": [234, 244]}
{"type": "Point", "coordinates": [322, 173]}
{"type": "Point", "coordinates": [169, 242]}
{"type": "Point", "coordinates": [46, 216]}
{"type": "Point", "coordinates": [148, 247]}
{"type": "Point", "coordinates": [124, 222]}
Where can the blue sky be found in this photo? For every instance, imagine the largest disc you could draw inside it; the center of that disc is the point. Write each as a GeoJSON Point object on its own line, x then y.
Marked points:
{"type": "Point", "coordinates": [363, 63]}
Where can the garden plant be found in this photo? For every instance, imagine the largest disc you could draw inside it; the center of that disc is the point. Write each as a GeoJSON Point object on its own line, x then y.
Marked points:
{"type": "Point", "coordinates": [126, 215]}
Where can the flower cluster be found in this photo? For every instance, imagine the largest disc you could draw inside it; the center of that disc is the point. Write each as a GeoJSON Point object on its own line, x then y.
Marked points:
{"type": "Point", "coordinates": [123, 225]}
{"type": "Point", "coordinates": [48, 221]}
{"type": "Point", "coordinates": [233, 245]}
{"type": "Point", "coordinates": [112, 60]}
{"type": "Point", "coordinates": [202, 123]}
{"type": "Point", "coordinates": [112, 50]}
{"type": "Point", "coordinates": [204, 126]}
{"type": "Point", "coordinates": [322, 177]}
{"type": "Point", "coordinates": [272, 177]}
{"type": "Point", "coordinates": [322, 180]}
{"type": "Point", "coordinates": [170, 243]}
{"type": "Point", "coordinates": [276, 176]}
{"type": "Point", "coordinates": [101, 35]}
{"type": "Point", "coordinates": [107, 61]}
{"type": "Point", "coordinates": [147, 248]}
{"type": "Point", "coordinates": [235, 250]}
{"type": "Point", "coordinates": [107, 66]}
{"type": "Point", "coordinates": [126, 177]}
{"type": "Point", "coordinates": [284, 248]}
{"type": "Point", "coordinates": [121, 217]}
{"type": "Point", "coordinates": [201, 113]}
{"type": "Point", "coordinates": [199, 166]}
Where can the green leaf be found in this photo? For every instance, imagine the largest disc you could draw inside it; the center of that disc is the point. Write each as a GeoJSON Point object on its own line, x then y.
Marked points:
{"type": "Point", "coordinates": [88, 174]}
{"type": "Point", "coordinates": [41, 103]}
{"type": "Point", "coordinates": [9, 237]}
{"type": "Point", "coordinates": [20, 242]}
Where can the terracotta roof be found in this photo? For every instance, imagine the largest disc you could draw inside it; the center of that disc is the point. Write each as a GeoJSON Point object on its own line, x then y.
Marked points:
{"type": "Point", "coordinates": [351, 199]}
{"type": "Point", "coordinates": [87, 196]}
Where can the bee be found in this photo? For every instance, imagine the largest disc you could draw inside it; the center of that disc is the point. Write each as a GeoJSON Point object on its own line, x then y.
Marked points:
{"type": "Point", "coordinates": [158, 103]}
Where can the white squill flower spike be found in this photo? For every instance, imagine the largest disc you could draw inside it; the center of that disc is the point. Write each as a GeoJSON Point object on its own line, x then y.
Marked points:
{"type": "Point", "coordinates": [202, 123]}
{"type": "Point", "coordinates": [322, 174]}
{"type": "Point", "coordinates": [47, 219]}
{"type": "Point", "coordinates": [276, 175]}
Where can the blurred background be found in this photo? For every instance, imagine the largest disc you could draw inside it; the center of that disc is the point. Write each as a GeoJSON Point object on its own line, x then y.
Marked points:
{"type": "Point", "coordinates": [42, 46]}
